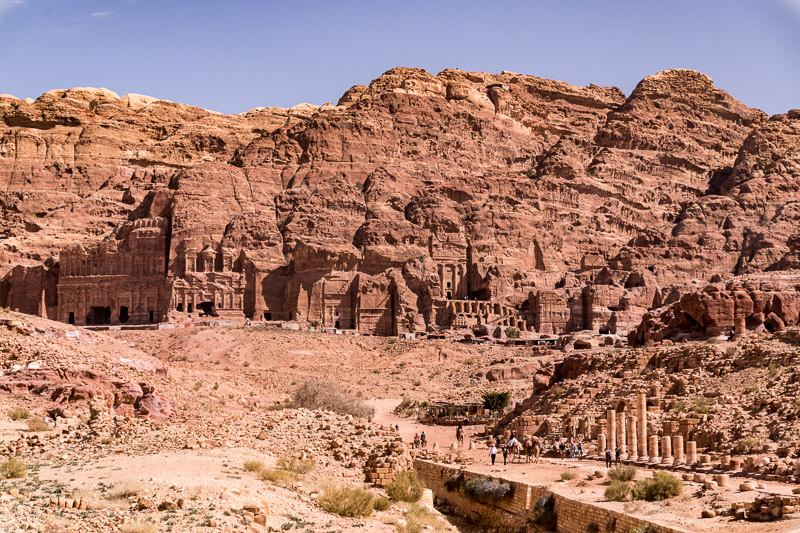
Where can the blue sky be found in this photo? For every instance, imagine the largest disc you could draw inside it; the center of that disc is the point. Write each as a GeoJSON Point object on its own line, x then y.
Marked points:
{"type": "Point", "coordinates": [234, 55]}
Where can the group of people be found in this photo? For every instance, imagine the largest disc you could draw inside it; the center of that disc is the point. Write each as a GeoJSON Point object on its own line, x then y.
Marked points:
{"type": "Point", "coordinates": [574, 449]}
{"type": "Point", "coordinates": [617, 455]}
{"type": "Point", "coordinates": [420, 441]}
{"type": "Point", "coordinates": [530, 447]}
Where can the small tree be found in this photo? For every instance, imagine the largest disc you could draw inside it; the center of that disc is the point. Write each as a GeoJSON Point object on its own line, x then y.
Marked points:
{"type": "Point", "coordinates": [512, 333]}
{"type": "Point", "coordinates": [496, 400]}
{"type": "Point", "coordinates": [93, 105]}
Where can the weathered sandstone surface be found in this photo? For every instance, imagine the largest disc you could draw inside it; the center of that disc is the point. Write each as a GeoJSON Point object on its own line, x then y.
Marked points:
{"type": "Point", "coordinates": [416, 203]}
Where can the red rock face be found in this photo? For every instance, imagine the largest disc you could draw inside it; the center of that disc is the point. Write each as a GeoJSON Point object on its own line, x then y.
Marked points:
{"type": "Point", "coordinates": [418, 202]}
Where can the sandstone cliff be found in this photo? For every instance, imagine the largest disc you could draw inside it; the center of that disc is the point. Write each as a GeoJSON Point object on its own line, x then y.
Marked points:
{"type": "Point", "coordinates": [417, 202]}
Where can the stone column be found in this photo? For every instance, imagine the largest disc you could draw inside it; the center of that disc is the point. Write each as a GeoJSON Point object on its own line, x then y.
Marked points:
{"type": "Point", "coordinates": [666, 449]}
{"type": "Point", "coordinates": [739, 327]}
{"type": "Point", "coordinates": [691, 453]}
{"type": "Point", "coordinates": [632, 444]}
{"type": "Point", "coordinates": [611, 427]}
{"type": "Point", "coordinates": [677, 449]}
{"type": "Point", "coordinates": [601, 444]}
{"type": "Point", "coordinates": [653, 452]}
{"type": "Point", "coordinates": [622, 435]}
{"type": "Point", "coordinates": [641, 423]}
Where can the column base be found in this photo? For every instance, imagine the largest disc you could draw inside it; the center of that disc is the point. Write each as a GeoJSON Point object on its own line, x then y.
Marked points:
{"type": "Point", "coordinates": [633, 458]}
{"type": "Point", "coordinates": [654, 460]}
{"type": "Point", "coordinates": [667, 460]}
{"type": "Point", "coordinates": [679, 462]}
{"type": "Point", "coordinates": [643, 459]}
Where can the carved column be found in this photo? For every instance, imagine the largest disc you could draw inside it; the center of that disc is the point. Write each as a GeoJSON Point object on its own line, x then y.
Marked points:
{"type": "Point", "coordinates": [666, 449]}
{"type": "Point", "coordinates": [641, 415]}
{"type": "Point", "coordinates": [632, 439]}
{"type": "Point", "coordinates": [691, 453]}
{"type": "Point", "coordinates": [654, 458]}
{"type": "Point", "coordinates": [611, 420]}
{"type": "Point", "coordinates": [677, 449]}
{"type": "Point", "coordinates": [601, 444]}
{"type": "Point", "coordinates": [622, 435]}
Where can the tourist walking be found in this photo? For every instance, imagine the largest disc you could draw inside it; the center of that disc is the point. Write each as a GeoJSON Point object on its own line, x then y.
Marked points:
{"type": "Point", "coordinates": [505, 454]}
{"type": "Point", "coordinates": [493, 452]}
{"type": "Point", "coordinates": [580, 450]}
{"type": "Point", "coordinates": [608, 457]}
{"type": "Point", "coordinates": [618, 454]}
{"type": "Point", "coordinates": [423, 440]}
{"type": "Point", "coordinates": [572, 451]}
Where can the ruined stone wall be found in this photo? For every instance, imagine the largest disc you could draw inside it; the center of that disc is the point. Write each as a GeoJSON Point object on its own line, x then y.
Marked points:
{"type": "Point", "coordinates": [513, 511]}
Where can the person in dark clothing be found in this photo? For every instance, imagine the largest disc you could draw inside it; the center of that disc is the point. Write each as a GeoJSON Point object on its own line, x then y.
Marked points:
{"type": "Point", "coordinates": [608, 457]}
{"type": "Point", "coordinates": [617, 454]}
{"type": "Point", "coordinates": [505, 454]}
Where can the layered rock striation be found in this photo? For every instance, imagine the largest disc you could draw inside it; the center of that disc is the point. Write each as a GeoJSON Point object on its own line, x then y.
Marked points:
{"type": "Point", "coordinates": [416, 203]}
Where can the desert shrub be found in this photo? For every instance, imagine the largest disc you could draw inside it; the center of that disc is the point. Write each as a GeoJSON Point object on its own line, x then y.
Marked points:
{"type": "Point", "coordinates": [349, 502]}
{"type": "Point", "coordinates": [126, 489]}
{"type": "Point", "coordinates": [678, 406]}
{"type": "Point", "coordinates": [567, 475]}
{"type": "Point", "coordinates": [661, 487]}
{"type": "Point", "coordinates": [730, 351]}
{"type": "Point", "coordinates": [13, 468]}
{"type": "Point", "coordinates": [38, 424]}
{"type": "Point", "coordinates": [543, 514]}
{"type": "Point", "coordinates": [198, 385]}
{"type": "Point", "coordinates": [313, 394]}
{"type": "Point", "coordinates": [496, 400]}
{"type": "Point", "coordinates": [420, 519]}
{"type": "Point", "coordinates": [278, 475]}
{"type": "Point", "coordinates": [406, 487]}
{"type": "Point", "coordinates": [18, 413]}
{"type": "Point", "coordinates": [253, 466]}
{"type": "Point", "coordinates": [454, 481]}
{"type": "Point", "coordinates": [557, 391]}
{"type": "Point", "coordinates": [484, 489]}
{"type": "Point", "coordinates": [381, 503]}
{"type": "Point", "coordinates": [618, 491]}
{"type": "Point", "coordinates": [297, 465]}
{"type": "Point", "coordinates": [138, 527]}
{"type": "Point", "coordinates": [512, 333]}
{"type": "Point", "coordinates": [107, 440]}
{"type": "Point", "coordinates": [622, 473]}
{"type": "Point", "coordinates": [702, 406]}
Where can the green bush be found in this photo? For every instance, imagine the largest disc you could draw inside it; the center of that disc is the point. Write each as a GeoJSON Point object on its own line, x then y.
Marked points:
{"type": "Point", "coordinates": [618, 491]}
{"type": "Point", "coordinates": [18, 413]}
{"type": "Point", "coordinates": [496, 400]}
{"type": "Point", "coordinates": [13, 469]}
{"type": "Point", "coordinates": [483, 489]}
{"type": "Point", "coordinates": [406, 487]}
{"type": "Point", "coordinates": [622, 473]}
{"type": "Point", "coordinates": [661, 487]}
{"type": "Point", "coordinates": [512, 333]}
{"type": "Point", "coordinates": [349, 502]}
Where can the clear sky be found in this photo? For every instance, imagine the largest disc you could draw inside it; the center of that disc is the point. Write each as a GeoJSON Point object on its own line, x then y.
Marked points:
{"type": "Point", "coordinates": [234, 55]}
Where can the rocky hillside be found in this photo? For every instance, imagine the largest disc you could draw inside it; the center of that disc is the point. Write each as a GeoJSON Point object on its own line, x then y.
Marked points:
{"type": "Point", "coordinates": [573, 207]}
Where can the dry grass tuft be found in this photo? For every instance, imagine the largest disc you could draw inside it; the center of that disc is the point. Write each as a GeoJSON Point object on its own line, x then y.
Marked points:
{"type": "Point", "coordinates": [349, 502]}
{"type": "Point", "coordinates": [127, 489]}
{"type": "Point", "coordinates": [37, 424]}
{"type": "Point", "coordinates": [13, 468]}
{"type": "Point", "coordinates": [313, 394]}
{"type": "Point", "coordinates": [18, 413]}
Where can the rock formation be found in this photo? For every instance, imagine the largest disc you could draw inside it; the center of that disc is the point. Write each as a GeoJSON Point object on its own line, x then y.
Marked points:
{"type": "Point", "coordinates": [416, 203]}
